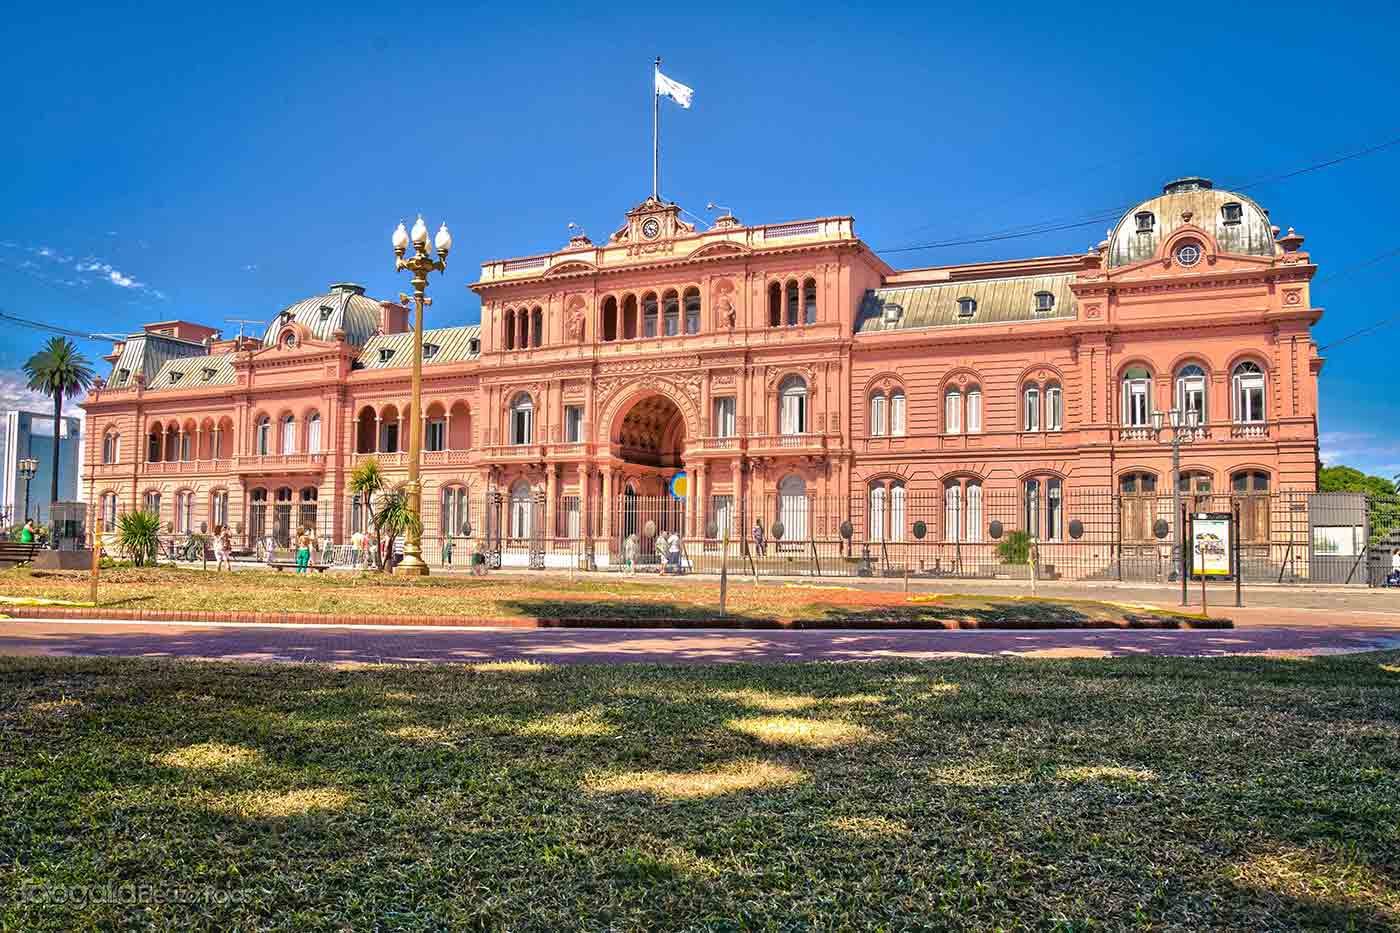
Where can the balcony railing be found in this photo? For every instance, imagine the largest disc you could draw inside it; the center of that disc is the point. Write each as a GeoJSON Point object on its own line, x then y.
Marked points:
{"type": "Point", "coordinates": [1242, 429]}
{"type": "Point", "coordinates": [171, 467]}
{"type": "Point", "coordinates": [282, 463]}
{"type": "Point", "coordinates": [804, 443]}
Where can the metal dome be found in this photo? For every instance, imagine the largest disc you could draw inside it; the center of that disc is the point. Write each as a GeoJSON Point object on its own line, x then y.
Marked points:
{"type": "Point", "coordinates": [1238, 224]}
{"type": "Point", "coordinates": [345, 308]}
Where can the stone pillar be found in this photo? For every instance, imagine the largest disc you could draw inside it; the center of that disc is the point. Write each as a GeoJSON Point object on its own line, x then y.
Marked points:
{"type": "Point", "coordinates": [702, 497]}
{"type": "Point", "coordinates": [606, 530]}
{"type": "Point", "coordinates": [378, 434]}
{"type": "Point", "coordinates": [551, 479]}
{"type": "Point", "coordinates": [691, 498]}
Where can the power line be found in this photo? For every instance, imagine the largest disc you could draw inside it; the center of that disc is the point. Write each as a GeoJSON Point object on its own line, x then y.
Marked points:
{"type": "Point", "coordinates": [1365, 330]}
{"type": "Point", "coordinates": [1012, 233]}
{"type": "Point", "coordinates": [53, 328]}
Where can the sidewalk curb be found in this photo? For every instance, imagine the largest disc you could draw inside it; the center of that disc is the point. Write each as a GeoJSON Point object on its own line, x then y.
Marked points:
{"type": "Point", "coordinates": [1141, 622]}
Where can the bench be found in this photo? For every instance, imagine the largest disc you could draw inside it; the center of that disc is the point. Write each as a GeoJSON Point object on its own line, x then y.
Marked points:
{"type": "Point", "coordinates": [15, 552]}
{"type": "Point", "coordinates": [286, 559]}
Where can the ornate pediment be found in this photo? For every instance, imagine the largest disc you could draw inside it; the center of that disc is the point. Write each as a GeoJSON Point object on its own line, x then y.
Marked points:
{"type": "Point", "coordinates": [573, 265]}
{"type": "Point", "coordinates": [722, 248]}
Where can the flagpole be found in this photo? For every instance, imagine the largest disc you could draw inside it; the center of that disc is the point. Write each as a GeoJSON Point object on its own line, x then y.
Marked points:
{"type": "Point", "coordinates": [655, 133]}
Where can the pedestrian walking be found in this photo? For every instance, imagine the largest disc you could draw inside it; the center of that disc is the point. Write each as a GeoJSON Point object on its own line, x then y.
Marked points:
{"type": "Point", "coordinates": [758, 542]}
{"type": "Point", "coordinates": [223, 544]}
{"type": "Point", "coordinates": [26, 534]}
{"type": "Point", "coordinates": [629, 553]}
{"type": "Point", "coordinates": [674, 553]}
{"type": "Point", "coordinates": [658, 546]}
{"type": "Point", "coordinates": [303, 551]}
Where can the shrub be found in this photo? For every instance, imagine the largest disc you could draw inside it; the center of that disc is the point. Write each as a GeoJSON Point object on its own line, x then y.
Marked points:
{"type": "Point", "coordinates": [138, 537]}
{"type": "Point", "coordinates": [1016, 549]}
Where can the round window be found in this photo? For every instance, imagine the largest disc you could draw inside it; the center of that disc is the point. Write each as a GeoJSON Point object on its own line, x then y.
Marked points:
{"type": "Point", "coordinates": [1188, 254]}
{"type": "Point", "coordinates": [289, 339]}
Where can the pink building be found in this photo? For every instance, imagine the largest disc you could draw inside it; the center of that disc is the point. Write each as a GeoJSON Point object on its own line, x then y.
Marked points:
{"type": "Point", "coordinates": [786, 369]}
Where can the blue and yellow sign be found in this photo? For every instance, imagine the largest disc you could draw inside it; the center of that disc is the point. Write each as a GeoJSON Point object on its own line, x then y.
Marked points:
{"type": "Point", "coordinates": [680, 484]}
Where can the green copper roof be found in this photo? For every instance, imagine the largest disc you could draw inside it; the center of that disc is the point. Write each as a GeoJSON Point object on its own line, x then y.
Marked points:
{"type": "Point", "coordinates": [345, 308]}
{"type": "Point", "coordinates": [1196, 198]}
{"type": "Point", "coordinates": [144, 354]}
{"type": "Point", "coordinates": [194, 373]}
{"type": "Point", "coordinates": [395, 351]}
{"type": "Point", "coordinates": [998, 301]}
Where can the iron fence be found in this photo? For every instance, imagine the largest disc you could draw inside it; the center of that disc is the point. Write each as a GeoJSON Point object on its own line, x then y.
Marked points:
{"type": "Point", "coordinates": [1080, 534]}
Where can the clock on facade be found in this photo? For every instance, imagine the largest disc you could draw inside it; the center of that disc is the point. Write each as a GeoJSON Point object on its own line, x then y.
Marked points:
{"type": "Point", "coordinates": [1188, 254]}
{"type": "Point", "coordinates": [650, 228]}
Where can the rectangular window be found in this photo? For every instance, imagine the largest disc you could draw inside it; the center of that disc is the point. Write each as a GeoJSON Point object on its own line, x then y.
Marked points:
{"type": "Point", "coordinates": [1250, 397]}
{"type": "Point", "coordinates": [1054, 509]}
{"type": "Point", "coordinates": [974, 412]}
{"type": "Point", "coordinates": [952, 412]}
{"type": "Point", "coordinates": [289, 436]}
{"type": "Point", "coordinates": [573, 424]}
{"type": "Point", "coordinates": [437, 435]}
{"type": "Point", "coordinates": [1054, 409]}
{"type": "Point", "coordinates": [952, 513]}
{"type": "Point", "coordinates": [1032, 413]}
{"type": "Point", "coordinates": [877, 416]}
{"type": "Point", "coordinates": [520, 427]}
{"type": "Point", "coordinates": [1137, 411]}
{"type": "Point", "coordinates": [313, 435]}
{"type": "Point", "coordinates": [673, 316]}
{"type": "Point", "coordinates": [795, 413]}
{"type": "Point", "coordinates": [724, 417]}
{"type": "Point", "coordinates": [692, 312]}
{"type": "Point", "coordinates": [897, 414]}
{"type": "Point", "coordinates": [722, 512]}
{"type": "Point", "coordinates": [649, 316]}
{"type": "Point", "coordinates": [1191, 396]}
{"type": "Point", "coordinates": [186, 445]}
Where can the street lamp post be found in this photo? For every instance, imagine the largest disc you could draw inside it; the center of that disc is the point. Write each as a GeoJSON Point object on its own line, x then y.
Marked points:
{"type": "Point", "coordinates": [420, 264]}
{"type": "Point", "coordinates": [1180, 433]}
{"type": "Point", "coordinates": [28, 469]}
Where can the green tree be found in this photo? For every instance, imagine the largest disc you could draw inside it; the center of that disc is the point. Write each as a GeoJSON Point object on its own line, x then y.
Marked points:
{"type": "Point", "coordinates": [138, 536]}
{"type": "Point", "coordinates": [58, 371]}
{"type": "Point", "coordinates": [367, 481]}
{"type": "Point", "coordinates": [1349, 479]}
{"type": "Point", "coordinates": [395, 516]}
{"type": "Point", "coordinates": [1016, 549]}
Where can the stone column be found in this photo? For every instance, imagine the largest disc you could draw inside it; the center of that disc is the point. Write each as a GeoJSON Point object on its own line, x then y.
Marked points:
{"type": "Point", "coordinates": [691, 479]}
{"type": "Point", "coordinates": [551, 479]}
{"type": "Point", "coordinates": [702, 511]}
{"type": "Point", "coordinates": [606, 530]}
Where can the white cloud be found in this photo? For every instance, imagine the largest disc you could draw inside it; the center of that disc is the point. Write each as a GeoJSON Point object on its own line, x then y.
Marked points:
{"type": "Point", "coordinates": [110, 273]}
{"type": "Point", "coordinates": [1375, 454]}
{"type": "Point", "coordinates": [99, 269]}
{"type": "Point", "coordinates": [15, 393]}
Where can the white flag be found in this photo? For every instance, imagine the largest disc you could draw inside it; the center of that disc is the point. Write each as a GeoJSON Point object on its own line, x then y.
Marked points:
{"type": "Point", "coordinates": [673, 89]}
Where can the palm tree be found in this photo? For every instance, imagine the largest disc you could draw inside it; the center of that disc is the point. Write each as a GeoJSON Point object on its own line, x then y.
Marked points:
{"type": "Point", "coordinates": [58, 371]}
{"type": "Point", "coordinates": [367, 481]}
{"type": "Point", "coordinates": [396, 516]}
{"type": "Point", "coordinates": [138, 536]}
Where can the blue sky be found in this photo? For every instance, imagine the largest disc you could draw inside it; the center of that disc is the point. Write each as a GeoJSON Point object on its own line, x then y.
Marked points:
{"type": "Point", "coordinates": [206, 163]}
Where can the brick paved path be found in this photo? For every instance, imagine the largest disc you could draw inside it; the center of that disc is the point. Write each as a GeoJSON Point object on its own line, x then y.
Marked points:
{"type": "Point", "coordinates": [351, 645]}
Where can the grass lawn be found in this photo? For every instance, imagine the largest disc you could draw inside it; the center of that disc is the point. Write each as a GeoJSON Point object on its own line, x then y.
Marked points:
{"type": "Point", "coordinates": [1140, 793]}
{"type": "Point", "coordinates": [508, 597]}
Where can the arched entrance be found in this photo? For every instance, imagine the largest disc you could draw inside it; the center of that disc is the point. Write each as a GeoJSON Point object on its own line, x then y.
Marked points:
{"type": "Point", "coordinates": [649, 437]}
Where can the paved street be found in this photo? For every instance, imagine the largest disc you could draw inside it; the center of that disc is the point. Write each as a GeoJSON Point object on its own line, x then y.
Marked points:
{"type": "Point", "coordinates": [403, 645]}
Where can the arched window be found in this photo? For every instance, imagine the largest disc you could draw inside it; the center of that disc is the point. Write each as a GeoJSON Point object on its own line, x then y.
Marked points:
{"type": "Point", "coordinates": [257, 514]}
{"type": "Point", "coordinates": [692, 310]}
{"type": "Point", "coordinates": [537, 327]}
{"type": "Point", "coordinates": [1191, 392]}
{"type": "Point", "coordinates": [952, 411]}
{"type": "Point", "coordinates": [792, 410]}
{"type": "Point", "coordinates": [775, 305]}
{"type": "Point", "coordinates": [809, 301]}
{"type": "Point", "coordinates": [792, 304]}
{"type": "Point", "coordinates": [1043, 501]}
{"type": "Point", "coordinates": [671, 312]}
{"type": "Point", "coordinates": [111, 447]}
{"type": "Point", "coordinates": [456, 513]}
{"type": "Point", "coordinates": [1138, 492]}
{"type": "Point", "coordinates": [1197, 485]}
{"type": "Point", "coordinates": [289, 434]}
{"type": "Point", "coordinates": [522, 420]}
{"type": "Point", "coordinates": [1248, 379]}
{"type": "Point", "coordinates": [366, 439]}
{"type": "Point", "coordinates": [1054, 407]}
{"type": "Point", "coordinates": [153, 443]}
{"type": "Point", "coordinates": [1137, 397]}
{"type": "Point", "coordinates": [792, 507]}
{"type": "Point", "coordinates": [522, 502]}
{"type": "Point", "coordinates": [897, 413]}
{"type": "Point", "coordinates": [508, 329]}
{"type": "Point", "coordinates": [184, 512]}
{"type": "Point", "coordinates": [609, 319]}
{"type": "Point", "coordinates": [151, 502]}
{"type": "Point", "coordinates": [435, 429]}
{"type": "Point", "coordinates": [897, 512]}
{"type": "Point", "coordinates": [974, 410]}
{"type": "Point", "coordinates": [1030, 408]}
{"type": "Point", "coordinates": [109, 510]}
{"type": "Point", "coordinates": [306, 517]}
{"type": "Point", "coordinates": [186, 443]}
{"type": "Point", "coordinates": [264, 436]}
{"type": "Point", "coordinates": [973, 495]}
{"type": "Point", "coordinates": [877, 414]}
{"type": "Point", "coordinates": [218, 508]}
{"type": "Point", "coordinates": [649, 315]}
{"type": "Point", "coordinates": [313, 433]}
